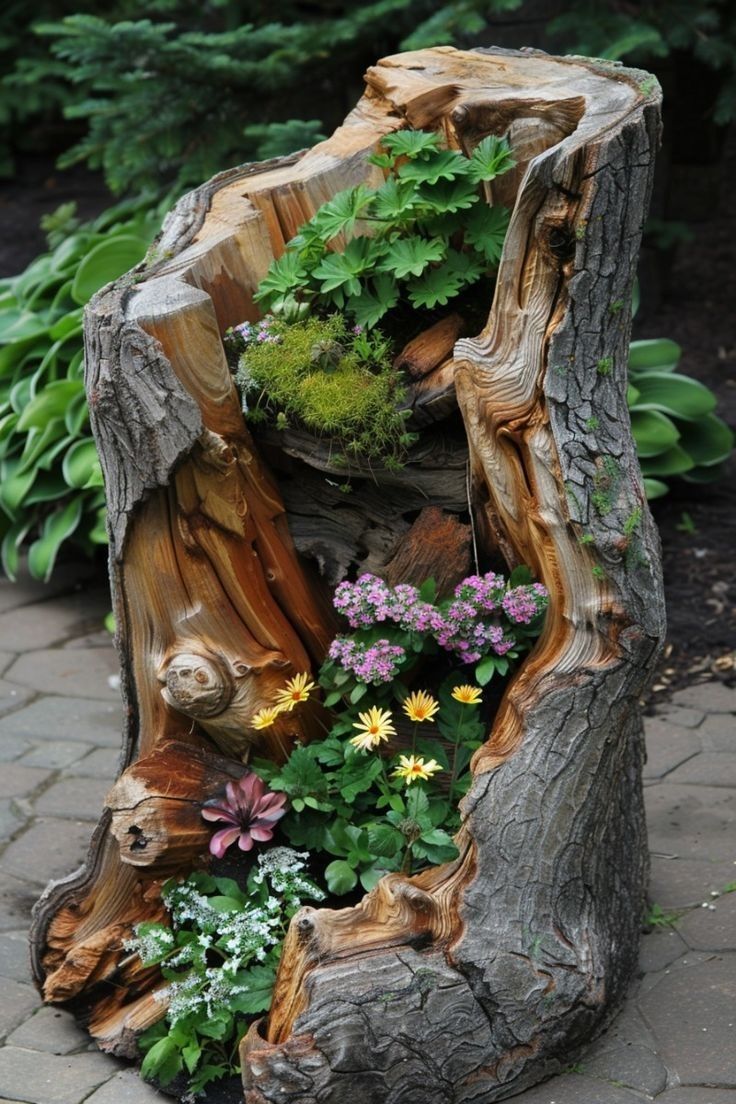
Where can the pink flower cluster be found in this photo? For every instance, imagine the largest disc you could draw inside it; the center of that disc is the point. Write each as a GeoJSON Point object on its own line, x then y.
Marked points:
{"type": "Point", "coordinates": [464, 627]}
{"type": "Point", "coordinates": [523, 603]}
{"type": "Point", "coordinates": [379, 662]}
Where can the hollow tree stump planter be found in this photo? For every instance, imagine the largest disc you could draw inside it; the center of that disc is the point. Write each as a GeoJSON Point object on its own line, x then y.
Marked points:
{"type": "Point", "coordinates": [474, 980]}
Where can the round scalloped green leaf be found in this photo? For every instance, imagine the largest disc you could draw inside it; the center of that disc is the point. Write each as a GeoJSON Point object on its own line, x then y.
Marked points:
{"type": "Point", "coordinates": [655, 488]}
{"type": "Point", "coordinates": [654, 433]}
{"type": "Point", "coordinates": [658, 352]}
{"type": "Point", "coordinates": [56, 529]}
{"type": "Point", "coordinates": [80, 467]}
{"type": "Point", "coordinates": [673, 394]}
{"type": "Point", "coordinates": [673, 462]}
{"type": "Point", "coordinates": [106, 262]}
{"type": "Point", "coordinates": [708, 441]}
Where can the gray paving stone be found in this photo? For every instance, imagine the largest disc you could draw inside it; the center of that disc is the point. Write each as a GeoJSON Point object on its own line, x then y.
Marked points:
{"type": "Point", "coordinates": [718, 733]}
{"type": "Point", "coordinates": [575, 1088]}
{"type": "Point", "coordinates": [17, 898]}
{"type": "Point", "coordinates": [710, 697]}
{"type": "Point", "coordinates": [100, 763]}
{"type": "Point", "coordinates": [66, 578]}
{"type": "Point", "coordinates": [682, 883]}
{"type": "Point", "coordinates": [49, 848]}
{"type": "Point", "coordinates": [667, 747]}
{"type": "Point", "coordinates": [18, 1001]}
{"type": "Point", "coordinates": [628, 1027]}
{"type": "Point", "coordinates": [14, 956]}
{"type": "Point", "coordinates": [659, 948]}
{"type": "Point", "coordinates": [17, 780]}
{"type": "Point", "coordinates": [13, 696]}
{"type": "Point", "coordinates": [10, 819]}
{"type": "Point", "coordinates": [6, 658]}
{"type": "Point", "coordinates": [78, 798]}
{"type": "Point", "coordinates": [689, 1011]}
{"type": "Point", "coordinates": [692, 822]}
{"type": "Point", "coordinates": [707, 769]}
{"type": "Point", "coordinates": [688, 1094]}
{"type": "Point", "coordinates": [46, 623]}
{"type": "Point", "coordinates": [126, 1087]}
{"type": "Point", "coordinates": [100, 639]}
{"type": "Point", "coordinates": [680, 715]}
{"type": "Point", "coordinates": [51, 1030]}
{"type": "Point", "coordinates": [73, 672]}
{"type": "Point", "coordinates": [12, 746]}
{"type": "Point", "coordinates": [55, 754]}
{"type": "Point", "coordinates": [633, 1066]}
{"type": "Point", "coordinates": [711, 929]}
{"type": "Point", "coordinates": [37, 1078]}
{"type": "Point", "coordinates": [80, 720]}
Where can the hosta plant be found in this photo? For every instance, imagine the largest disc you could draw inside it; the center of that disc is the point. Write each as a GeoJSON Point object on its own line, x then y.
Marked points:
{"type": "Point", "coordinates": [675, 428]}
{"type": "Point", "coordinates": [50, 480]}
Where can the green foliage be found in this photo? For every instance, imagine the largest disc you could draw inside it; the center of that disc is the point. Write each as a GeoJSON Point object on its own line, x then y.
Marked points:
{"type": "Point", "coordinates": [218, 954]}
{"type": "Point", "coordinates": [656, 917]}
{"type": "Point", "coordinates": [674, 427]}
{"type": "Point", "coordinates": [422, 245]}
{"type": "Point", "coordinates": [50, 480]}
{"type": "Point", "coordinates": [336, 383]}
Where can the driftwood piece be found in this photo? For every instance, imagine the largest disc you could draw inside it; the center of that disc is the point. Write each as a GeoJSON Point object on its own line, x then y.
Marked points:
{"type": "Point", "coordinates": [471, 981]}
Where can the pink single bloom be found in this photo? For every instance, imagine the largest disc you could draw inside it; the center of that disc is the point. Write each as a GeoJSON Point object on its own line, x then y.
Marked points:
{"type": "Point", "coordinates": [249, 809]}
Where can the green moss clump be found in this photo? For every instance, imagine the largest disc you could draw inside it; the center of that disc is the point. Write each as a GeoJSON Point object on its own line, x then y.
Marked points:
{"type": "Point", "coordinates": [332, 381]}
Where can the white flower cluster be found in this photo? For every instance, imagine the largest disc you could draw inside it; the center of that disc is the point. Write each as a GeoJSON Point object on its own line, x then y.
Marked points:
{"type": "Point", "coordinates": [241, 936]}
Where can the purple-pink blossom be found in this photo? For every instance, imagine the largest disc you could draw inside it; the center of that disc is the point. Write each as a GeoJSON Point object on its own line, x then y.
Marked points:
{"type": "Point", "coordinates": [249, 809]}
{"type": "Point", "coordinates": [376, 663]}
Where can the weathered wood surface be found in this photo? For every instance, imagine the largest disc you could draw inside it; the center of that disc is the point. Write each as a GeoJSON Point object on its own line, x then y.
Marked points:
{"type": "Point", "coordinates": [474, 980]}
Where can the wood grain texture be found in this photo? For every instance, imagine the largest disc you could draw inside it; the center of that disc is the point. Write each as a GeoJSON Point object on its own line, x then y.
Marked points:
{"type": "Point", "coordinates": [474, 980]}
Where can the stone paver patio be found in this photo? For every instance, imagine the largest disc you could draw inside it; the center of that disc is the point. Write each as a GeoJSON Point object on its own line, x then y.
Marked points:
{"type": "Point", "coordinates": [60, 723]}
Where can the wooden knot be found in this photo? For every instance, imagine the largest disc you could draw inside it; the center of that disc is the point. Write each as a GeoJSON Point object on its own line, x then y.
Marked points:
{"type": "Point", "coordinates": [305, 924]}
{"type": "Point", "coordinates": [195, 685]}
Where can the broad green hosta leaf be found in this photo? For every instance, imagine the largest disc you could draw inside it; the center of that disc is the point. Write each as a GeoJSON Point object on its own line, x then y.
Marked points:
{"type": "Point", "coordinates": [38, 441]}
{"type": "Point", "coordinates": [655, 488]}
{"type": "Point", "coordinates": [411, 143]}
{"type": "Point", "coordinates": [654, 433]}
{"type": "Point", "coordinates": [659, 353]}
{"type": "Point", "coordinates": [490, 159]}
{"type": "Point", "coordinates": [673, 394]}
{"type": "Point", "coordinates": [485, 229]}
{"type": "Point", "coordinates": [18, 325]}
{"type": "Point", "coordinates": [108, 260]}
{"type": "Point", "coordinates": [674, 461]}
{"type": "Point", "coordinates": [55, 530]}
{"type": "Point", "coordinates": [445, 165]}
{"type": "Point", "coordinates": [410, 256]}
{"type": "Point", "coordinates": [81, 468]}
{"type": "Point", "coordinates": [51, 402]}
{"type": "Point", "coordinates": [708, 440]}
{"type": "Point", "coordinates": [10, 549]}
{"type": "Point", "coordinates": [709, 473]}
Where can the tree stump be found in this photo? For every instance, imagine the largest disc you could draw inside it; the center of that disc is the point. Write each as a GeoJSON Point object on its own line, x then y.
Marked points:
{"type": "Point", "coordinates": [474, 980]}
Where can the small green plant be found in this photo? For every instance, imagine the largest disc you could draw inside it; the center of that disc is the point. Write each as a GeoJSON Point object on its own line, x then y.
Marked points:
{"type": "Point", "coordinates": [423, 236]}
{"type": "Point", "coordinates": [686, 524]}
{"type": "Point", "coordinates": [674, 427]}
{"type": "Point", "coordinates": [337, 382]}
{"type": "Point", "coordinates": [656, 917]}
{"type": "Point", "coordinates": [218, 955]}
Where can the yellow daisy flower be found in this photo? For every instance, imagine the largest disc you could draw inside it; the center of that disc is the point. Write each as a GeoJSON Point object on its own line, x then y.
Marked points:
{"type": "Point", "coordinates": [296, 690]}
{"type": "Point", "coordinates": [420, 706]}
{"type": "Point", "coordinates": [374, 727]}
{"type": "Point", "coordinates": [413, 767]}
{"type": "Point", "coordinates": [468, 695]}
{"type": "Point", "coordinates": [264, 718]}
